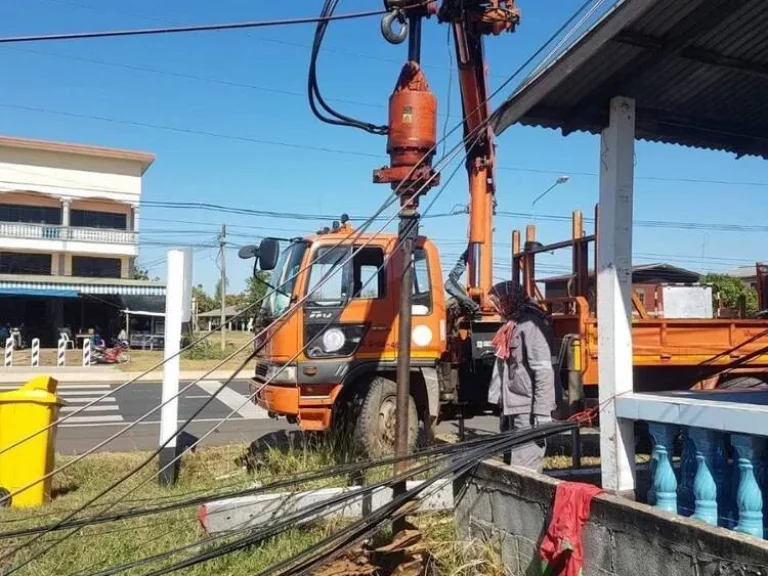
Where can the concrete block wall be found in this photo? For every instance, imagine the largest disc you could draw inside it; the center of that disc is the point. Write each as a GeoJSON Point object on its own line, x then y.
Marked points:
{"type": "Point", "coordinates": [510, 509]}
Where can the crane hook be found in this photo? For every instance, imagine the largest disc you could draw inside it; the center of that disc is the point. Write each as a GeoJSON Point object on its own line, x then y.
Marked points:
{"type": "Point", "coordinates": [388, 28]}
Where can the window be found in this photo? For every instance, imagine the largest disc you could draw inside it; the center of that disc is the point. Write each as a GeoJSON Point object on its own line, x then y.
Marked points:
{"type": "Point", "coordinates": [90, 219]}
{"type": "Point", "coordinates": [96, 267]}
{"type": "Point", "coordinates": [328, 277]}
{"type": "Point", "coordinates": [20, 263]}
{"type": "Point", "coordinates": [283, 279]}
{"type": "Point", "coordinates": [369, 274]}
{"type": "Point", "coordinates": [363, 278]}
{"type": "Point", "coordinates": [30, 214]}
{"type": "Point", "coordinates": [422, 287]}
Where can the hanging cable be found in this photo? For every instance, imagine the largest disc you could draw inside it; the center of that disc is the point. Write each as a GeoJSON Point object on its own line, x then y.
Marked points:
{"type": "Point", "coordinates": [508, 80]}
{"type": "Point", "coordinates": [328, 114]}
{"type": "Point", "coordinates": [184, 29]}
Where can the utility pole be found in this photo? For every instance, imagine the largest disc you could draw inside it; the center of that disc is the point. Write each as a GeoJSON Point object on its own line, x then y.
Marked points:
{"type": "Point", "coordinates": [223, 258]}
{"type": "Point", "coordinates": [411, 141]}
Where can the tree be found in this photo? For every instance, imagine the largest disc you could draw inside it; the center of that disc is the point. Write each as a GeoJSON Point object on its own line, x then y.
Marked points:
{"type": "Point", "coordinates": [728, 289]}
{"type": "Point", "coordinates": [204, 302]}
{"type": "Point", "coordinates": [140, 274]}
{"type": "Point", "coordinates": [255, 290]}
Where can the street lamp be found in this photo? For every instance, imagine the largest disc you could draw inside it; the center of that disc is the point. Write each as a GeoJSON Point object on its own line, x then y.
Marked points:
{"type": "Point", "coordinates": [560, 180]}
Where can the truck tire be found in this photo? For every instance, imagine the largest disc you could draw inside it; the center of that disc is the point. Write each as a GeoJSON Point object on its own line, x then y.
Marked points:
{"type": "Point", "coordinates": [374, 433]}
{"type": "Point", "coordinates": [742, 383]}
{"type": "Point", "coordinates": [5, 501]}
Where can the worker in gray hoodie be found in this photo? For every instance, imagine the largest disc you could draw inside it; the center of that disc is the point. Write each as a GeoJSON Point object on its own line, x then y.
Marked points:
{"type": "Point", "coordinates": [523, 380]}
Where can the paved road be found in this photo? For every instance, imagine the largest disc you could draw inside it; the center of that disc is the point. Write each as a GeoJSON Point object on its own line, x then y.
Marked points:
{"type": "Point", "coordinates": [90, 426]}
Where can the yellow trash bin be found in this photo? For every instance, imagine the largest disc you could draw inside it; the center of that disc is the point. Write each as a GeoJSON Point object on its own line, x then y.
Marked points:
{"type": "Point", "coordinates": [23, 412]}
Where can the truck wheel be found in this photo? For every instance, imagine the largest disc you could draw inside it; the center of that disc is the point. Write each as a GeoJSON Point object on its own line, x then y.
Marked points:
{"type": "Point", "coordinates": [742, 383]}
{"type": "Point", "coordinates": [374, 432]}
{"type": "Point", "coordinates": [5, 500]}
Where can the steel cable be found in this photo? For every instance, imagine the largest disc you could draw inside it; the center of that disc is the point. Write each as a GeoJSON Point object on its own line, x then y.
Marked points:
{"type": "Point", "coordinates": [483, 125]}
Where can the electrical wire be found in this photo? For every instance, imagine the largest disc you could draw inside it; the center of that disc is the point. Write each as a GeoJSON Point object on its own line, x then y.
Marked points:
{"type": "Point", "coordinates": [426, 156]}
{"type": "Point", "coordinates": [195, 77]}
{"type": "Point", "coordinates": [410, 200]}
{"type": "Point", "coordinates": [271, 529]}
{"type": "Point", "coordinates": [287, 481]}
{"type": "Point", "coordinates": [466, 457]}
{"type": "Point", "coordinates": [330, 116]}
{"type": "Point", "coordinates": [309, 559]}
{"type": "Point", "coordinates": [323, 280]}
{"type": "Point", "coordinates": [280, 42]}
{"type": "Point", "coordinates": [186, 29]}
{"type": "Point", "coordinates": [240, 314]}
{"type": "Point", "coordinates": [392, 195]}
{"type": "Point", "coordinates": [179, 130]}
{"type": "Point", "coordinates": [413, 223]}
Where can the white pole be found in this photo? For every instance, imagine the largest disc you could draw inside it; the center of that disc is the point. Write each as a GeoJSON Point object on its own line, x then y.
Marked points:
{"type": "Point", "coordinates": [87, 352]}
{"type": "Point", "coordinates": [9, 351]}
{"type": "Point", "coordinates": [614, 285]}
{"type": "Point", "coordinates": [177, 304]}
{"type": "Point", "coordinates": [61, 352]}
{"type": "Point", "coordinates": [35, 352]}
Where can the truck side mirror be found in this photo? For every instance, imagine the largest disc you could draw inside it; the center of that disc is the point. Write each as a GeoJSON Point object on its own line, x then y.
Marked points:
{"type": "Point", "coordinates": [247, 252]}
{"type": "Point", "coordinates": [269, 252]}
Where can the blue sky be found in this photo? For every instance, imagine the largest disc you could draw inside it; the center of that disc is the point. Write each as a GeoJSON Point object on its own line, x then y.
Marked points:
{"type": "Point", "coordinates": [242, 88]}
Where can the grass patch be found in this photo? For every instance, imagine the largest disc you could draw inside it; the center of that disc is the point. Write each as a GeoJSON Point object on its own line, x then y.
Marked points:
{"type": "Point", "coordinates": [209, 470]}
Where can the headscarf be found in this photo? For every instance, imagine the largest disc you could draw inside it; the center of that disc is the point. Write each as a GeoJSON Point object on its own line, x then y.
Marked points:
{"type": "Point", "coordinates": [511, 302]}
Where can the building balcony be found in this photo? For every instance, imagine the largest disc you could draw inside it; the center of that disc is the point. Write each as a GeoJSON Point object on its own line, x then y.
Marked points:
{"type": "Point", "coordinates": [54, 238]}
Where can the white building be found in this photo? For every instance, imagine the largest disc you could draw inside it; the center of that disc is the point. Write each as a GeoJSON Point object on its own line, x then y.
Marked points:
{"type": "Point", "coordinates": [69, 234]}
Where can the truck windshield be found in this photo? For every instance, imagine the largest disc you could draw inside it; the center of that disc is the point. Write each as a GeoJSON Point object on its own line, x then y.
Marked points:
{"type": "Point", "coordinates": [283, 279]}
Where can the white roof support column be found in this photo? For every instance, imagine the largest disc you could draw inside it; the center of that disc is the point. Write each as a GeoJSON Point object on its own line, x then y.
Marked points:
{"type": "Point", "coordinates": [614, 285]}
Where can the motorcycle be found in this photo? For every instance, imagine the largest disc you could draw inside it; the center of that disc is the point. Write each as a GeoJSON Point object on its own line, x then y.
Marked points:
{"type": "Point", "coordinates": [118, 354]}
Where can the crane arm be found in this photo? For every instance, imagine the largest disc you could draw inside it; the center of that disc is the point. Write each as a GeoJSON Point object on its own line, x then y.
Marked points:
{"type": "Point", "coordinates": [471, 20]}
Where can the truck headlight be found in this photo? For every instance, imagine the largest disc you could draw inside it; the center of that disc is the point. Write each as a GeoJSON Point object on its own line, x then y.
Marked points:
{"type": "Point", "coordinates": [285, 374]}
{"type": "Point", "coordinates": [333, 341]}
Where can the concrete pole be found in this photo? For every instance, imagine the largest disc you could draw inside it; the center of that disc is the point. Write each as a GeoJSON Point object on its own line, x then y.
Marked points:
{"type": "Point", "coordinates": [177, 296]}
{"type": "Point", "coordinates": [614, 285]}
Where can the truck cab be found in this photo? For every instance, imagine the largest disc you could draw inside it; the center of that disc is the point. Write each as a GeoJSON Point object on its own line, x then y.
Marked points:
{"type": "Point", "coordinates": [327, 332]}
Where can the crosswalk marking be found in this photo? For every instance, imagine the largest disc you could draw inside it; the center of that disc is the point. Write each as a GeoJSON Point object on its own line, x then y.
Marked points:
{"type": "Point", "coordinates": [85, 399]}
{"type": "Point", "coordinates": [94, 408]}
{"type": "Point", "coordinates": [77, 399]}
{"type": "Point", "coordinates": [98, 393]}
{"type": "Point", "coordinates": [83, 387]}
{"type": "Point", "coordinates": [92, 419]}
{"type": "Point", "coordinates": [242, 404]}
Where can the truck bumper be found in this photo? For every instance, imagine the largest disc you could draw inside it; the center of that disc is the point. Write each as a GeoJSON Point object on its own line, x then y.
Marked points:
{"type": "Point", "coordinates": [312, 406]}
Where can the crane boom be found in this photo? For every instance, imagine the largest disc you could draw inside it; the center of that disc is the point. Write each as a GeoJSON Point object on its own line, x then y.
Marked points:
{"type": "Point", "coordinates": [470, 22]}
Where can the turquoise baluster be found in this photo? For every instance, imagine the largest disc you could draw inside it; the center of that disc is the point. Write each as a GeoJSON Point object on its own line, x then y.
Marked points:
{"type": "Point", "coordinates": [664, 481]}
{"type": "Point", "coordinates": [728, 497]}
{"type": "Point", "coordinates": [704, 485]}
{"type": "Point", "coordinates": [749, 496]}
{"type": "Point", "coordinates": [687, 474]}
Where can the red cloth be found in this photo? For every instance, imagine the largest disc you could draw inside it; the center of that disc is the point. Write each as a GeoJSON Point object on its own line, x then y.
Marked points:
{"type": "Point", "coordinates": [502, 340]}
{"type": "Point", "coordinates": [561, 549]}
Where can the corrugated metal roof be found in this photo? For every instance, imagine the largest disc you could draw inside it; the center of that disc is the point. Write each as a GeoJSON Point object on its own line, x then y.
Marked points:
{"type": "Point", "coordinates": [92, 286]}
{"type": "Point", "coordinates": [669, 272]}
{"type": "Point", "coordinates": [697, 69]}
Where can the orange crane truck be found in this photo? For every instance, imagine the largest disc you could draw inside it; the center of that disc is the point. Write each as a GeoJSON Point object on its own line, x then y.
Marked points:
{"type": "Point", "coordinates": [333, 359]}
{"type": "Point", "coordinates": [668, 353]}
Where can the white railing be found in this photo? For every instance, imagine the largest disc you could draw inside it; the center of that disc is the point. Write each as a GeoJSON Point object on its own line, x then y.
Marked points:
{"type": "Point", "coordinates": [54, 232]}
